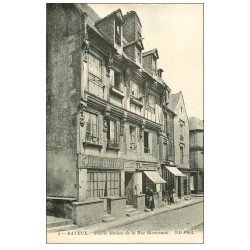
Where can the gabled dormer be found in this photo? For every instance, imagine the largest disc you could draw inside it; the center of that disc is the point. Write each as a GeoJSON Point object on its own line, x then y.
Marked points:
{"type": "Point", "coordinates": [149, 61]}
{"type": "Point", "coordinates": [132, 32]}
{"type": "Point", "coordinates": [111, 28]}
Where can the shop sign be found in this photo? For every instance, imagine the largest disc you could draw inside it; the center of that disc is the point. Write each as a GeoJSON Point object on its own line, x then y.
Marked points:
{"type": "Point", "coordinates": [89, 161]}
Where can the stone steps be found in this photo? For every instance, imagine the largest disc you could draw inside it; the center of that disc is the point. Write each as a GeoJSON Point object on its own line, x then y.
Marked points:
{"type": "Point", "coordinates": [134, 213]}
{"type": "Point", "coordinates": [130, 210]}
{"type": "Point", "coordinates": [61, 228]}
{"type": "Point", "coordinates": [108, 218]}
{"type": "Point", "coordinates": [59, 222]}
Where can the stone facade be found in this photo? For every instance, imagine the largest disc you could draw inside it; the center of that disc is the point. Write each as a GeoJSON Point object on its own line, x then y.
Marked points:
{"type": "Point", "coordinates": [181, 144]}
{"type": "Point", "coordinates": [109, 119]}
{"type": "Point", "coordinates": [196, 147]}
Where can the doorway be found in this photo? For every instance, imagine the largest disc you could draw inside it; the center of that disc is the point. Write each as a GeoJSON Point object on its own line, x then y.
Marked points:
{"type": "Point", "coordinates": [179, 186]}
{"type": "Point", "coordinates": [129, 183]}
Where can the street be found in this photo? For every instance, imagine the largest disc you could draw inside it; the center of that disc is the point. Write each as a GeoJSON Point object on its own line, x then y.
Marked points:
{"type": "Point", "coordinates": [190, 217]}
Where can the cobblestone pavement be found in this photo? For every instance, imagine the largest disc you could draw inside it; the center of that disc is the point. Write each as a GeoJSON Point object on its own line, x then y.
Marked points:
{"type": "Point", "coordinates": [183, 218]}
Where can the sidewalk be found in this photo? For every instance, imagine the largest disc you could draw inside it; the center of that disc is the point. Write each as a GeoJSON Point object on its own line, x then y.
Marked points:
{"type": "Point", "coordinates": [127, 220]}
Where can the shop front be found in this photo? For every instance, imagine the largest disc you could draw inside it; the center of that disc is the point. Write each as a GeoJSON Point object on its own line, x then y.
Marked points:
{"type": "Point", "coordinates": [138, 176]}
{"type": "Point", "coordinates": [176, 181]}
{"type": "Point", "coordinates": [197, 181]}
{"type": "Point", "coordinates": [100, 186]}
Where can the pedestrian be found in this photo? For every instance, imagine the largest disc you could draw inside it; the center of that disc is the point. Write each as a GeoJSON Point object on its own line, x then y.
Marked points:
{"type": "Point", "coordinates": [150, 204]}
{"type": "Point", "coordinates": [169, 196]}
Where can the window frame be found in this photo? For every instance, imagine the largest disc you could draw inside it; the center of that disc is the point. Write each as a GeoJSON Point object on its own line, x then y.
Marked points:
{"type": "Point", "coordinates": [118, 36]}
{"type": "Point", "coordinates": [90, 133]}
{"type": "Point", "coordinates": [104, 185]}
{"type": "Point", "coordinates": [112, 142]}
{"type": "Point", "coordinates": [95, 78]}
{"type": "Point", "coordinates": [181, 154]}
{"type": "Point", "coordinates": [132, 144]}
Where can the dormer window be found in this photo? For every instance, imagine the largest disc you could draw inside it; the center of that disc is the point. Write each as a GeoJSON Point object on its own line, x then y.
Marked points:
{"type": "Point", "coordinates": [154, 65]}
{"type": "Point", "coordinates": [138, 54]}
{"type": "Point", "coordinates": [117, 33]}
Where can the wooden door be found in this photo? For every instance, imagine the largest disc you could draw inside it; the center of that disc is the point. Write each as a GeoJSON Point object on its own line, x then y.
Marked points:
{"type": "Point", "coordinates": [129, 188]}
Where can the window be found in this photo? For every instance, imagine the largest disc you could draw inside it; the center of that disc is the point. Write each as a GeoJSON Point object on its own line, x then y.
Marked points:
{"type": "Point", "coordinates": [151, 104]}
{"type": "Point", "coordinates": [112, 134]}
{"type": "Point", "coordinates": [101, 183]}
{"type": "Point", "coordinates": [164, 123]}
{"type": "Point", "coordinates": [154, 66]}
{"type": "Point", "coordinates": [95, 75]}
{"type": "Point", "coordinates": [117, 33]}
{"type": "Point", "coordinates": [134, 89]}
{"type": "Point", "coordinates": [92, 131]}
{"type": "Point", "coordinates": [171, 149]}
{"type": "Point", "coordinates": [138, 54]}
{"type": "Point", "coordinates": [181, 154]}
{"type": "Point", "coordinates": [181, 129]}
{"type": "Point", "coordinates": [146, 142]}
{"type": "Point", "coordinates": [135, 109]}
{"type": "Point", "coordinates": [148, 146]}
{"type": "Point", "coordinates": [117, 80]}
{"type": "Point", "coordinates": [165, 151]}
{"type": "Point", "coordinates": [132, 131]}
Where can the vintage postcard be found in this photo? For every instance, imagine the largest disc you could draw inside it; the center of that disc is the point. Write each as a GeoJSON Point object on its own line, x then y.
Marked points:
{"type": "Point", "coordinates": [124, 99]}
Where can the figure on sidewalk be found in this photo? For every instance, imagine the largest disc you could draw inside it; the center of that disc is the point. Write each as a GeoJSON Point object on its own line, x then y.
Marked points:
{"type": "Point", "coordinates": [170, 196]}
{"type": "Point", "coordinates": [149, 199]}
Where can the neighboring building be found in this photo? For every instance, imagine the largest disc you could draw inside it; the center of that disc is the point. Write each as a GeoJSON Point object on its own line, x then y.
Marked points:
{"type": "Point", "coordinates": [110, 127]}
{"type": "Point", "coordinates": [181, 171]}
{"type": "Point", "coordinates": [196, 155]}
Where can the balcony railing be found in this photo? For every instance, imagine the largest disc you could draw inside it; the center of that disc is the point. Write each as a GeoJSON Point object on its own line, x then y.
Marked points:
{"type": "Point", "coordinates": [92, 138]}
{"type": "Point", "coordinates": [112, 143]}
{"type": "Point", "coordinates": [133, 146]}
{"type": "Point", "coordinates": [169, 158]}
{"type": "Point", "coordinates": [146, 150]}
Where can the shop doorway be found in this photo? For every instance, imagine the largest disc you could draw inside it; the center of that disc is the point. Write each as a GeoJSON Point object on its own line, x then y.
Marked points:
{"type": "Point", "coordinates": [179, 186]}
{"type": "Point", "coordinates": [129, 188]}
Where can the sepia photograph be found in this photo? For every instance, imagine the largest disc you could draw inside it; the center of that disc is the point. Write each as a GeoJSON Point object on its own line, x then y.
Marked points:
{"type": "Point", "coordinates": [124, 123]}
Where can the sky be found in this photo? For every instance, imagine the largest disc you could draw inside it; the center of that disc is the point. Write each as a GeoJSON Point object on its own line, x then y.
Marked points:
{"type": "Point", "coordinates": [176, 30]}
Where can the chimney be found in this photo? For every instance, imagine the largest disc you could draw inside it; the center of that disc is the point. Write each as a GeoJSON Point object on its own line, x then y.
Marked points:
{"type": "Point", "coordinates": [159, 72]}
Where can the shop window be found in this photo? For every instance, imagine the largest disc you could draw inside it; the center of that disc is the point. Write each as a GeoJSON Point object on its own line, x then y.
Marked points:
{"type": "Point", "coordinates": [146, 182]}
{"type": "Point", "coordinates": [95, 76]}
{"type": "Point", "coordinates": [132, 138]}
{"type": "Point", "coordinates": [181, 154]}
{"type": "Point", "coordinates": [112, 141]}
{"type": "Point", "coordinates": [92, 129]}
{"type": "Point", "coordinates": [117, 33]}
{"type": "Point", "coordinates": [103, 183]}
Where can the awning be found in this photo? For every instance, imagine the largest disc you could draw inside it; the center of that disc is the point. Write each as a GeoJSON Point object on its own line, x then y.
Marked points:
{"type": "Point", "coordinates": [154, 177]}
{"type": "Point", "coordinates": [175, 171]}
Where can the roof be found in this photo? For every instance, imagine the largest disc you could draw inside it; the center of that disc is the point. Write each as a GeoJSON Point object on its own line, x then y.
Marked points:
{"type": "Point", "coordinates": [152, 51]}
{"type": "Point", "coordinates": [93, 18]}
{"type": "Point", "coordinates": [174, 98]}
{"type": "Point", "coordinates": [118, 12]}
{"type": "Point", "coordinates": [132, 12]}
{"type": "Point", "coordinates": [195, 123]}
